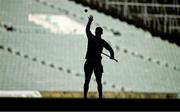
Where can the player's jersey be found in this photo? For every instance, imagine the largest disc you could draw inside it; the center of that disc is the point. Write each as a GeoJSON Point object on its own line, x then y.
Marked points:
{"type": "Point", "coordinates": [95, 47]}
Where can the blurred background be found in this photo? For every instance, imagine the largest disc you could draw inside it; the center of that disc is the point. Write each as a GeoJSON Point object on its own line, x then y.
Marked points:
{"type": "Point", "coordinates": [160, 17]}
{"type": "Point", "coordinates": [43, 46]}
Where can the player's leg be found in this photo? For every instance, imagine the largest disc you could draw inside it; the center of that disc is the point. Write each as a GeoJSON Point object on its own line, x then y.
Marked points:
{"type": "Point", "coordinates": [88, 72]}
{"type": "Point", "coordinates": [98, 73]}
{"type": "Point", "coordinates": [99, 84]}
{"type": "Point", "coordinates": [86, 84]}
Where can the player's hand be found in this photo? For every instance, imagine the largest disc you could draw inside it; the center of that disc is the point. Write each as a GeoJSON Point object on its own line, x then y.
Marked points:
{"type": "Point", "coordinates": [90, 18]}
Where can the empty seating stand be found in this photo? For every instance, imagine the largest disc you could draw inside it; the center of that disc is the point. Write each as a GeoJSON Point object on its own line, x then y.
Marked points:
{"type": "Point", "coordinates": [34, 58]}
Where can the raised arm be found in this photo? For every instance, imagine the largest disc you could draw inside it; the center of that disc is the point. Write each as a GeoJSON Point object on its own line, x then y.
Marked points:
{"type": "Point", "coordinates": [88, 31]}
{"type": "Point", "coordinates": [108, 47]}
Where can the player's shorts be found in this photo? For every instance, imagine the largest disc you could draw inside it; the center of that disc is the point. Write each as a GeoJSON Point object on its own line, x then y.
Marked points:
{"type": "Point", "coordinates": [93, 65]}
